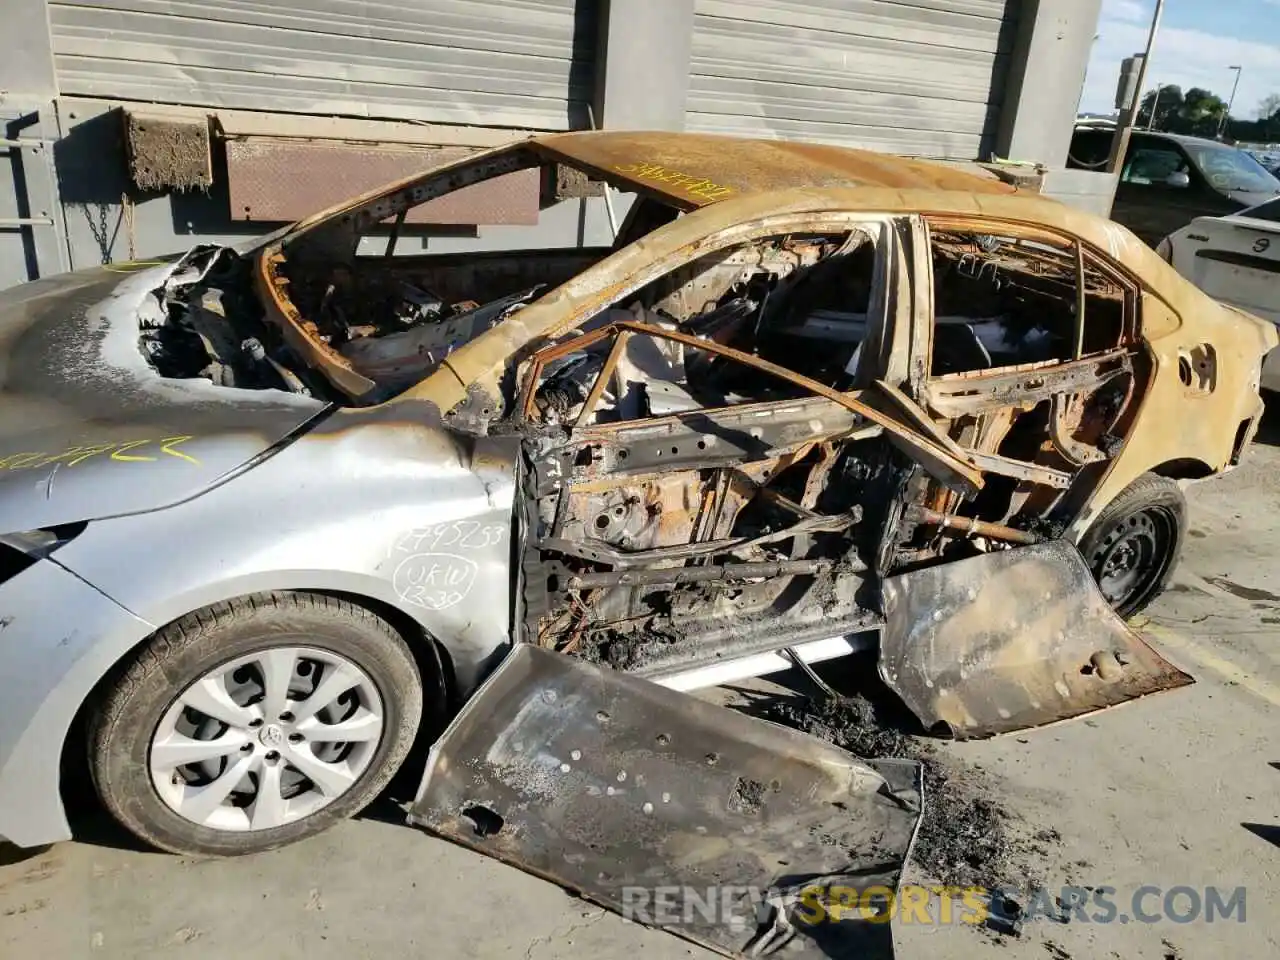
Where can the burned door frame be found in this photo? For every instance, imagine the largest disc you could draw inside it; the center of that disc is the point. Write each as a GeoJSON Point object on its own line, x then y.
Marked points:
{"type": "Point", "coordinates": [592, 456]}
{"type": "Point", "coordinates": [1066, 473]}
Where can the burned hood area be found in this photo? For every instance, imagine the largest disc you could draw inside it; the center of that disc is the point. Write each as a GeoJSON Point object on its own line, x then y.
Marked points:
{"type": "Point", "coordinates": [89, 427]}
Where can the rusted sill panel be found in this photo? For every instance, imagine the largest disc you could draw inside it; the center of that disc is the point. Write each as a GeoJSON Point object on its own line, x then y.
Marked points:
{"type": "Point", "coordinates": [728, 571]}
{"type": "Point", "coordinates": [604, 553]}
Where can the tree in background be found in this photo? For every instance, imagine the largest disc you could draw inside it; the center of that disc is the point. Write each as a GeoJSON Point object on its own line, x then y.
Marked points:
{"type": "Point", "coordinates": [1167, 106]}
{"type": "Point", "coordinates": [1266, 129]}
{"type": "Point", "coordinates": [1198, 111]}
{"type": "Point", "coordinates": [1201, 112]}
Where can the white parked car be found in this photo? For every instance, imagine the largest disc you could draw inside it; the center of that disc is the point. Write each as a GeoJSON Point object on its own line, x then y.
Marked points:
{"type": "Point", "coordinates": [1235, 259]}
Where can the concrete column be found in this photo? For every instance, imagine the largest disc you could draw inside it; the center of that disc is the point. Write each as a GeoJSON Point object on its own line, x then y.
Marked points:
{"type": "Point", "coordinates": [26, 52]}
{"type": "Point", "coordinates": [642, 70]}
{"type": "Point", "coordinates": [1046, 77]}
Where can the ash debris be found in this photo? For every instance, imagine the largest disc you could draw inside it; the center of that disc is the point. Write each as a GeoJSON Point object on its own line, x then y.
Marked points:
{"type": "Point", "coordinates": [621, 650]}
{"type": "Point", "coordinates": [967, 837]}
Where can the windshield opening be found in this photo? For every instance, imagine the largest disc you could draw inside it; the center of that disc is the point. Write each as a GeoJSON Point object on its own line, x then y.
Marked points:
{"type": "Point", "coordinates": [1229, 169]}
{"type": "Point", "coordinates": [374, 309]}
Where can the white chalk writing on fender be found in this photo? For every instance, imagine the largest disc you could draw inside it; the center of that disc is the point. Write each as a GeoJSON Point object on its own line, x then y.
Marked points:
{"type": "Point", "coordinates": [434, 571]}
{"type": "Point", "coordinates": [435, 581]}
{"type": "Point", "coordinates": [459, 535]}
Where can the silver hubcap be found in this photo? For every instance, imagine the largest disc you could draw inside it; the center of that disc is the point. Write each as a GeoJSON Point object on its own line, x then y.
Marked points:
{"type": "Point", "coordinates": [266, 739]}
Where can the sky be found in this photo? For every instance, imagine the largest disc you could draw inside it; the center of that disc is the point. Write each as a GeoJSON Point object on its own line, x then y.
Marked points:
{"type": "Point", "coordinates": [1197, 42]}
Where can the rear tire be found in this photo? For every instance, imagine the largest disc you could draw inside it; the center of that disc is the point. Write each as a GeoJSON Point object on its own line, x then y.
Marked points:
{"type": "Point", "coordinates": [188, 720]}
{"type": "Point", "coordinates": [1133, 546]}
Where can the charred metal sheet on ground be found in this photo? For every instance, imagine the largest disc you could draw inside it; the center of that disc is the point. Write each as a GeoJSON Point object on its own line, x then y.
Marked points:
{"type": "Point", "coordinates": [599, 781]}
{"type": "Point", "coordinates": [1010, 640]}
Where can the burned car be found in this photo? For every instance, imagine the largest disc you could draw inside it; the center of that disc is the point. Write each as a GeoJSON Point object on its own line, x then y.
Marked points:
{"type": "Point", "coordinates": [270, 511]}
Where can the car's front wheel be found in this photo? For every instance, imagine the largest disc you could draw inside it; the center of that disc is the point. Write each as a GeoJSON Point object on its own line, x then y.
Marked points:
{"type": "Point", "coordinates": [255, 723]}
{"type": "Point", "coordinates": [1134, 544]}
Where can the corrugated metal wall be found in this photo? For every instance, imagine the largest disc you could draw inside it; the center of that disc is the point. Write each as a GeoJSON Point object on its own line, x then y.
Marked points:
{"type": "Point", "coordinates": [923, 77]}
{"type": "Point", "coordinates": [520, 63]}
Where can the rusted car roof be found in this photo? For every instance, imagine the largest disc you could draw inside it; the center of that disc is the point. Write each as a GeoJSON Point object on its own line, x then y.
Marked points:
{"type": "Point", "coordinates": [694, 169]}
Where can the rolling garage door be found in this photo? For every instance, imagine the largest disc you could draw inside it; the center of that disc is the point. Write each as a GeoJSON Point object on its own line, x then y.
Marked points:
{"type": "Point", "coordinates": [518, 63]}
{"type": "Point", "coordinates": [923, 78]}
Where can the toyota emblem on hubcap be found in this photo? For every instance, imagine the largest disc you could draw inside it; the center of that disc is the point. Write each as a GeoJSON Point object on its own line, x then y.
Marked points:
{"type": "Point", "coordinates": [271, 736]}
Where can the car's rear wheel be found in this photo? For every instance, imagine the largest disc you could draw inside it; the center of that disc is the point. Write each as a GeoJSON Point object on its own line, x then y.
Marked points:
{"type": "Point", "coordinates": [1133, 546]}
{"type": "Point", "coordinates": [255, 723]}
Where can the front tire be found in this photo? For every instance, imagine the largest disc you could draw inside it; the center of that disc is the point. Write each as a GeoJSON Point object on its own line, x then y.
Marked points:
{"type": "Point", "coordinates": [255, 723]}
{"type": "Point", "coordinates": [1133, 546]}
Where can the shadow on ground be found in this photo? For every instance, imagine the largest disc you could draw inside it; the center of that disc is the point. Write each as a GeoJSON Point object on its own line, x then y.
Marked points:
{"type": "Point", "coordinates": [1269, 428]}
{"type": "Point", "coordinates": [1268, 832]}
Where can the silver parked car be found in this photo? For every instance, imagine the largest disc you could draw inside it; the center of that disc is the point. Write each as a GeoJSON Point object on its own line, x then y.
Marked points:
{"type": "Point", "coordinates": [268, 512]}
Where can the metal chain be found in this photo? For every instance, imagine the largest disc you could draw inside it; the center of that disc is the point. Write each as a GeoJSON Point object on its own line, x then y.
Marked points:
{"type": "Point", "coordinates": [100, 233]}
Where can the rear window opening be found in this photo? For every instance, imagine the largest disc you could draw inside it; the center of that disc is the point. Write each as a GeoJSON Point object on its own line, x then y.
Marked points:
{"type": "Point", "coordinates": [1004, 301]}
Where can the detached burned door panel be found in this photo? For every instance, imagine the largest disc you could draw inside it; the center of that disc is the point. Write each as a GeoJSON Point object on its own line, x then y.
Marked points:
{"type": "Point", "coordinates": [1033, 371]}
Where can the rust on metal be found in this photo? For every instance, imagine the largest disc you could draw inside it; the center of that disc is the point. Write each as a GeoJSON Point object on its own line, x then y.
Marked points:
{"type": "Point", "coordinates": [694, 170]}
{"type": "Point", "coordinates": [943, 458]}
{"type": "Point", "coordinates": [717, 573]}
{"type": "Point", "coordinates": [300, 333]}
{"type": "Point", "coordinates": [603, 377]}
{"type": "Point", "coordinates": [1018, 469]}
{"type": "Point", "coordinates": [1064, 419]}
{"type": "Point", "coordinates": [1025, 385]}
{"type": "Point", "coordinates": [789, 189]}
{"type": "Point", "coordinates": [979, 528]}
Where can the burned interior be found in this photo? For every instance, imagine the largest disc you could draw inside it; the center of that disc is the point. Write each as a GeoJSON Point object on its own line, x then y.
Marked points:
{"type": "Point", "coordinates": [721, 464]}
{"type": "Point", "coordinates": [346, 313]}
{"type": "Point", "coordinates": [735, 454]}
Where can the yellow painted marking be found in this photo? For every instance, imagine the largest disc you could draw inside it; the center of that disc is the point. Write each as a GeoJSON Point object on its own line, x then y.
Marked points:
{"type": "Point", "coordinates": [16, 461]}
{"type": "Point", "coordinates": [1211, 661]}
{"type": "Point", "coordinates": [165, 447]}
{"type": "Point", "coordinates": [702, 187]}
{"type": "Point", "coordinates": [119, 453]}
{"type": "Point", "coordinates": [117, 450]}
{"type": "Point", "coordinates": [84, 453]}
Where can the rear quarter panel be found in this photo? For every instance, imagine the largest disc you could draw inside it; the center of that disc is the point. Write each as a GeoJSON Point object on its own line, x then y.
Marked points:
{"type": "Point", "coordinates": [1177, 422]}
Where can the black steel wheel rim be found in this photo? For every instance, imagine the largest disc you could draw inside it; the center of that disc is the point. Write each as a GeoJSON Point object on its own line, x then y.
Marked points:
{"type": "Point", "coordinates": [1130, 562]}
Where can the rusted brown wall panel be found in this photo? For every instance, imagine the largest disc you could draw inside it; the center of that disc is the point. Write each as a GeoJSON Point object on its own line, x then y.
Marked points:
{"type": "Point", "coordinates": [283, 180]}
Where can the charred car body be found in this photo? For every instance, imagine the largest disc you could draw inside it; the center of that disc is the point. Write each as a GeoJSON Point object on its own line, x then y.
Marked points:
{"type": "Point", "coordinates": [270, 510]}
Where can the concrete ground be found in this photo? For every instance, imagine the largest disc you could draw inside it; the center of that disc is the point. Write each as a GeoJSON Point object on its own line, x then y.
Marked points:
{"type": "Point", "coordinates": [1182, 789]}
